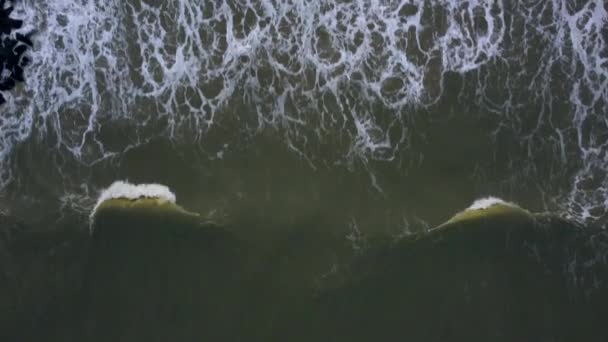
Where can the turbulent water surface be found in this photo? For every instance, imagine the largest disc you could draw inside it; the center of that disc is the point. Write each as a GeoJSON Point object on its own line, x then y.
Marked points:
{"type": "Point", "coordinates": [384, 113]}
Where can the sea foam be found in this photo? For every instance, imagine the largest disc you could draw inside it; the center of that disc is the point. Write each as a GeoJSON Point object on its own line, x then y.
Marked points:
{"type": "Point", "coordinates": [316, 71]}
{"type": "Point", "coordinates": [487, 202]}
{"type": "Point", "coordinates": [122, 189]}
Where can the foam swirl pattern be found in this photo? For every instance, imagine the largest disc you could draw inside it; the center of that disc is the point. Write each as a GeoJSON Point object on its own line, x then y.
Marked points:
{"type": "Point", "coordinates": [109, 76]}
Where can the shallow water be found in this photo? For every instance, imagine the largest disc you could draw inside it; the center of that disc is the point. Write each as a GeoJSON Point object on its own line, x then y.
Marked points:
{"type": "Point", "coordinates": [369, 114]}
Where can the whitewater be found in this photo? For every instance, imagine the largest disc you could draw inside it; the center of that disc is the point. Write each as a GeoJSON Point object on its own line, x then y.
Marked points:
{"type": "Point", "coordinates": [363, 86]}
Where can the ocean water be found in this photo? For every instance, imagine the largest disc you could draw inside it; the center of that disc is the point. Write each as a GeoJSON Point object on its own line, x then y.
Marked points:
{"type": "Point", "coordinates": [368, 114]}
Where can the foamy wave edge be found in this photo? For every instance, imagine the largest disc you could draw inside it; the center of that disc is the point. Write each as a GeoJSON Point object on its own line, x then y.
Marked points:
{"type": "Point", "coordinates": [126, 190]}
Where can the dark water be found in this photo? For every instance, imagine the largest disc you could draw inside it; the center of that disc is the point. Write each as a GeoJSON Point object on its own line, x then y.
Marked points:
{"type": "Point", "coordinates": [158, 274]}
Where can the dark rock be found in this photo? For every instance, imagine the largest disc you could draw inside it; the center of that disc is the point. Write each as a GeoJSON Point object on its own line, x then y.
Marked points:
{"type": "Point", "coordinates": [12, 50]}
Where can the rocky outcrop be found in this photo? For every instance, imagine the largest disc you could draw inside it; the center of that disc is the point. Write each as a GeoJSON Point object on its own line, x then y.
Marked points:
{"type": "Point", "coordinates": [13, 46]}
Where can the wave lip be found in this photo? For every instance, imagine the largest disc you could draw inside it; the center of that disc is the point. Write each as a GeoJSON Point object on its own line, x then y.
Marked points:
{"type": "Point", "coordinates": [153, 264]}
{"type": "Point", "coordinates": [126, 190]}
{"type": "Point", "coordinates": [487, 202]}
{"type": "Point", "coordinates": [490, 207]}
